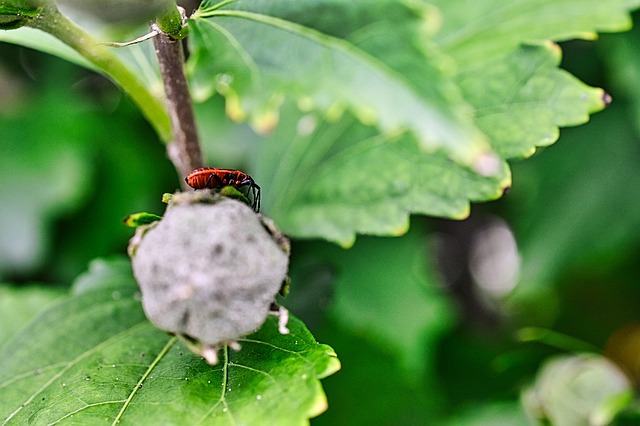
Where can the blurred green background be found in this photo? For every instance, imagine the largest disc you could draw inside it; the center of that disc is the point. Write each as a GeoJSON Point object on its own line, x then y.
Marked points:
{"type": "Point", "coordinates": [423, 324]}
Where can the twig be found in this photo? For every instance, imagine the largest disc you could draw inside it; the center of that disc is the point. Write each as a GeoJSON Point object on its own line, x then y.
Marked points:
{"type": "Point", "coordinates": [184, 149]}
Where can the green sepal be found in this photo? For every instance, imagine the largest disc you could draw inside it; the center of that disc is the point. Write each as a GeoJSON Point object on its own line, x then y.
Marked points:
{"type": "Point", "coordinates": [286, 286]}
{"type": "Point", "coordinates": [232, 192]}
{"type": "Point", "coordinates": [166, 197]}
{"type": "Point", "coordinates": [138, 219]}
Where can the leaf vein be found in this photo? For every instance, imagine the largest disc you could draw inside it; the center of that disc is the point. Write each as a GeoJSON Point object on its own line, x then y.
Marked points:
{"type": "Point", "coordinates": [138, 385]}
{"type": "Point", "coordinates": [131, 330]}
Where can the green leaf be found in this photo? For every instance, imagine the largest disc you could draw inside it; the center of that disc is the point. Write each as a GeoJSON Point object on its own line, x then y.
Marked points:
{"type": "Point", "coordinates": [373, 389]}
{"type": "Point", "coordinates": [138, 219]}
{"type": "Point", "coordinates": [16, 13]}
{"type": "Point", "coordinates": [624, 67]}
{"type": "Point", "coordinates": [592, 211]}
{"type": "Point", "coordinates": [139, 58]}
{"type": "Point", "coordinates": [94, 359]}
{"type": "Point", "coordinates": [394, 302]}
{"type": "Point", "coordinates": [255, 58]}
{"type": "Point", "coordinates": [78, 45]}
{"type": "Point", "coordinates": [489, 414]}
{"type": "Point", "coordinates": [369, 294]}
{"type": "Point", "coordinates": [29, 205]}
{"type": "Point", "coordinates": [79, 151]}
{"type": "Point", "coordinates": [18, 305]}
{"type": "Point", "coordinates": [333, 181]}
{"type": "Point", "coordinates": [103, 272]}
{"type": "Point", "coordinates": [44, 42]}
{"type": "Point", "coordinates": [522, 98]}
{"type": "Point", "coordinates": [476, 32]}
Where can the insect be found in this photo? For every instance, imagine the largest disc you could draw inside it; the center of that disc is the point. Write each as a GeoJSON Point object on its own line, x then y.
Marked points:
{"type": "Point", "coordinates": [214, 178]}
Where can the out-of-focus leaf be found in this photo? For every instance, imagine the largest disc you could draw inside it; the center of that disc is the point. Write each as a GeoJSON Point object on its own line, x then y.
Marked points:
{"type": "Point", "coordinates": [393, 300]}
{"type": "Point", "coordinates": [16, 13]}
{"type": "Point", "coordinates": [39, 40]}
{"type": "Point", "coordinates": [521, 99]}
{"type": "Point", "coordinates": [45, 172]}
{"type": "Point", "coordinates": [624, 66]}
{"type": "Point", "coordinates": [140, 57]}
{"type": "Point", "coordinates": [103, 362]}
{"type": "Point", "coordinates": [252, 54]}
{"type": "Point", "coordinates": [115, 11]}
{"type": "Point", "coordinates": [593, 209]}
{"type": "Point", "coordinates": [103, 272]}
{"type": "Point", "coordinates": [385, 293]}
{"type": "Point", "coordinates": [68, 160]}
{"type": "Point", "coordinates": [333, 181]}
{"type": "Point", "coordinates": [131, 173]}
{"type": "Point", "coordinates": [391, 396]}
{"type": "Point", "coordinates": [18, 305]}
{"type": "Point", "coordinates": [476, 32]}
{"type": "Point", "coordinates": [491, 414]}
{"type": "Point", "coordinates": [577, 390]}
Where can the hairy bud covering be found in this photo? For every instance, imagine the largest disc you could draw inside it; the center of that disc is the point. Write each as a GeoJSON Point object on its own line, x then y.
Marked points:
{"type": "Point", "coordinates": [208, 271]}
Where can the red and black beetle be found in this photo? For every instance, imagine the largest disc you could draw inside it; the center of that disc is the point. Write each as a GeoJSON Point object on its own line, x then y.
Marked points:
{"type": "Point", "coordinates": [214, 178]}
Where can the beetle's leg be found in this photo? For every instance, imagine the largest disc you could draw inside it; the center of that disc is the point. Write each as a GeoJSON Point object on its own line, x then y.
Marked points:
{"type": "Point", "coordinates": [256, 197]}
{"type": "Point", "coordinates": [206, 184]}
{"type": "Point", "coordinates": [217, 179]}
{"type": "Point", "coordinates": [250, 184]}
{"type": "Point", "coordinates": [252, 189]}
{"type": "Point", "coordinates": [211, 177]}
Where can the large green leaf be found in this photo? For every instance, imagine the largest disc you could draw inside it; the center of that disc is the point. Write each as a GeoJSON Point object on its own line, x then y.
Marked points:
{"type": "Point", "coordinates": [252, 54]}
{"type": "Point", "coordinates": [521, 98]}
{"type": "Point", "coordinates": [18, 305]}
{"type": "Point", "coordinates": [346, 178]}
{"type": "Point", "coordinates": [335, 180]}
{"type": "Point", "coordinates": [480, 31]}
{"type": "Point", "coordinates": [94, 359]}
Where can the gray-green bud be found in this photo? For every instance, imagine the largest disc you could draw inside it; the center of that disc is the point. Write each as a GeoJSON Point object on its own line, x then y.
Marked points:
{"type": "Point", "coordinates": [208, 271]}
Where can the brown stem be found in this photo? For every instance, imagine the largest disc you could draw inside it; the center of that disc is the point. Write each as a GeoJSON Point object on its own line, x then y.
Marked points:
{"type": "Point", "coordinates": [184, 149]}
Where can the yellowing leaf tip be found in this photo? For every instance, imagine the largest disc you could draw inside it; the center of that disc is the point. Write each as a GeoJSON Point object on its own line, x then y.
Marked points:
{"type": "Point", "coordinates": [233, 108]}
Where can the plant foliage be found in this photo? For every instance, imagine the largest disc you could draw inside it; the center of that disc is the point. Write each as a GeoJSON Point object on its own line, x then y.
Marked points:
{"type": "Point", "coordinates": [361, 115]}
{"type": "Point", "coordinates": [104, 363]}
